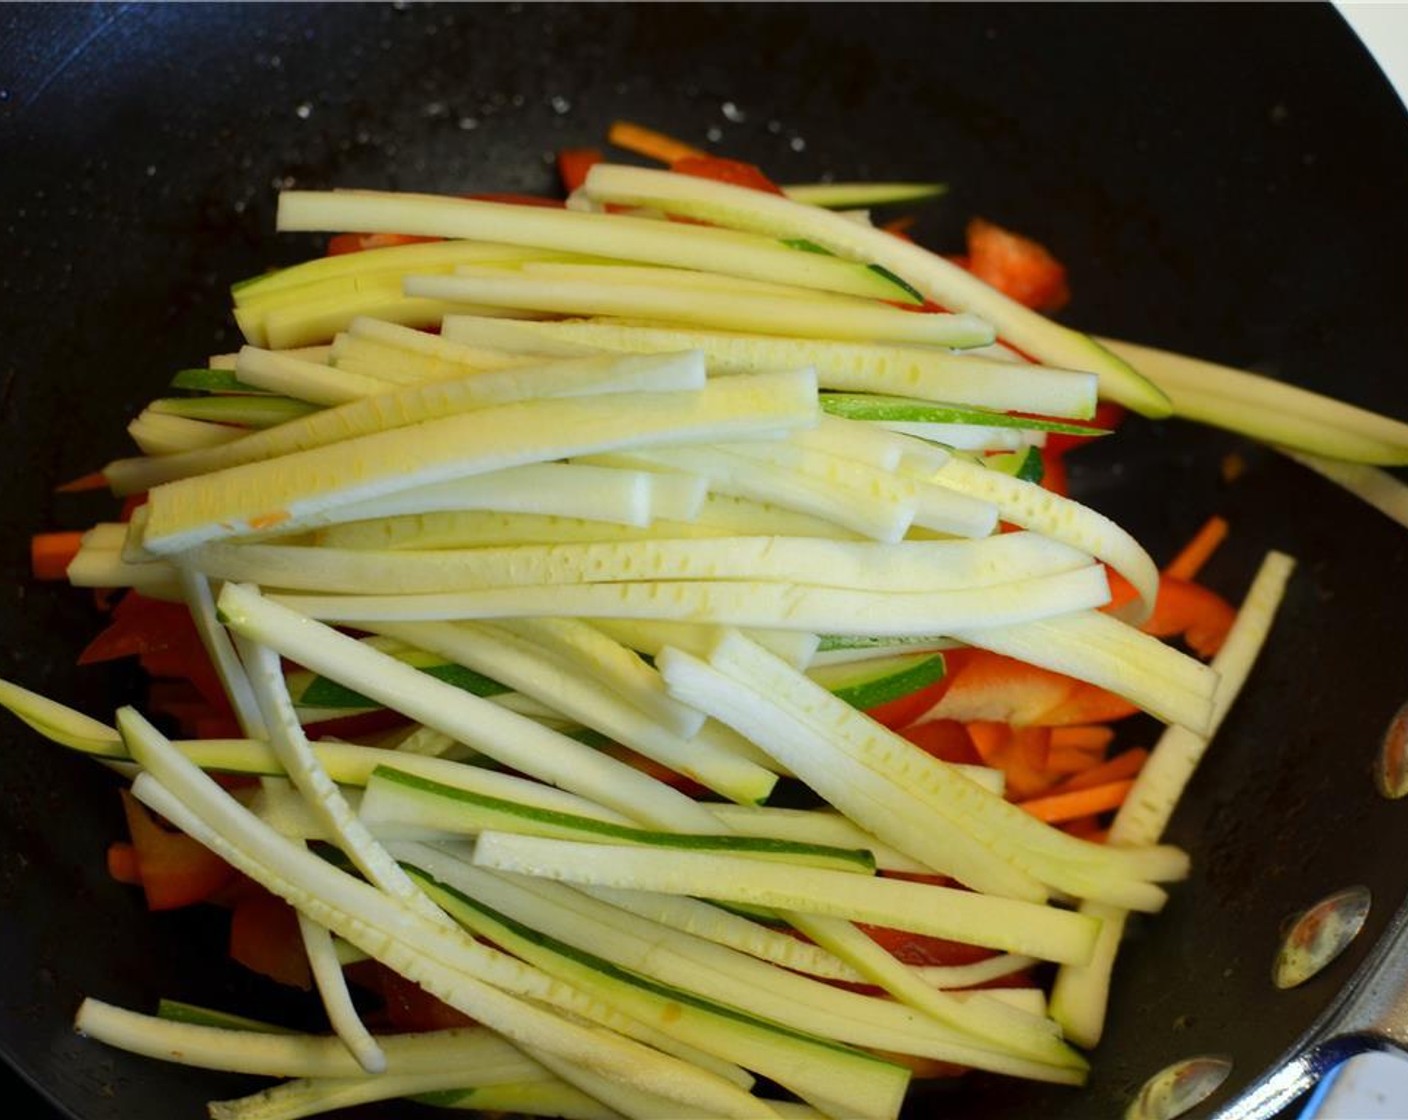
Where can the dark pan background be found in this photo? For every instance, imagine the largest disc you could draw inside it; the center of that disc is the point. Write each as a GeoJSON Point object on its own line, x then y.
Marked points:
{"type": "Point", "coordinates": [1226, 180]}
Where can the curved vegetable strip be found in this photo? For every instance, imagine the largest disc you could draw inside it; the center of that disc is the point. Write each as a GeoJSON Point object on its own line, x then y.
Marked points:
{"type": "Point", "coordinates": [294, 490]}
{"type": "Point", "coordinates": [617, 236]}
{"type": "Point", "coordinates": [937, 279]}
{"type": "Point", "coordinates": [1379, 488]}
{"type": "Point", "coordinates": [1084, 870]}
{"type": "Point", "coordinates": [1032, 507]}
{"type": "Point", "coordinates": [332, 987]}
{"type": "Point", "coordinates": [514, 740]}
{"type": "Point", "coordinates": [821, 316]}
{"type": "Point", "coordinates": [430, 956]}
{"type": "Point", "coordinates": [1002, 607]}
{"type": "Point", "coordinates": [1105, 652]}
{"type": "Point", "coordinates": [1079, 997]}
{"type": "Point", "coordinates": [1271, 411]}
{"type": "Point", "coordinates": [400, 406]}
{"type": "Point", "coordinates": [583, 919]}
{"type": "Point", "coordinates": [901, 371]}
{"type": "Point", "coordinates": [902, 566]}
{"type": "Point", "coordinates": [271, 1054]}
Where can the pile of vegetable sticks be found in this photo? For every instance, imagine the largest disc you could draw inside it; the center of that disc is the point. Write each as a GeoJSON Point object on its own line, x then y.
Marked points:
{"type": "Point", "coordinates": [625, 545]}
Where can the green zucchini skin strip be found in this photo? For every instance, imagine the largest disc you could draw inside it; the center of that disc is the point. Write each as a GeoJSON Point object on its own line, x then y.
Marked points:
{"type": "Point", "coordinates": [593, 921]}
{"type": "Point", "coordinates": [597, 973]}
{"type": "Point", "coordinates": [478, 812]}
{"type": "Point", "coordinates": [999, 923]}
{"type": "Point", "coordinates": [879, 406]}
{"type": "Point", "coordinates": [448, 965]}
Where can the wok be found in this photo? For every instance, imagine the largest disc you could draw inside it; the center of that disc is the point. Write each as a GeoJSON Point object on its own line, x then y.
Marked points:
{"type": "Point", "coordinates": [1226, 181]}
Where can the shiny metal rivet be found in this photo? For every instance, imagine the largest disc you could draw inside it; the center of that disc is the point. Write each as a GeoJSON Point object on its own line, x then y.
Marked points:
{"type": "Point", "coordinates": [1177, 1088]}
{"type": "Point", "coordinates": [1391, 773]}
{"type": "Point", "coordinates": [1319, 935]}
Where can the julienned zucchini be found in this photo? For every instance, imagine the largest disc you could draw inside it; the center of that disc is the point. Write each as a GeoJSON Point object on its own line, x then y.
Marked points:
{"type": "Point", "coordinates": [395, 797]}
{"type": "Point", "coordinates": [938, 279]}
{"type": "Point", "coordinates": [880, 406]}
{"type": "Point", "coordinates": [874, 681]}
{"type": "Point", "coordinates": [310, 690]}
{"type": "Point", "coordinates": [813, 1067]}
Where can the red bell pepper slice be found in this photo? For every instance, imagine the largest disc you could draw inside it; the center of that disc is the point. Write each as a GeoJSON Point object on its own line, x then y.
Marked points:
{"type": "Point", "coordinates": [264, 937]}
{"type": "Point", "coordinates": [405, 1006]}
{"type": "Point", "coordinates": [1016, 266]}
{"type": "Point", "coordinates": [722, 170]}
{"type": "Point", "coordinates": [573, 165]}
{"type": "Point", "coordinates": [341, 243]}
{"type": "Point", "coordinates": [946, 739]}
{"type": "Point", "coordinates": [174, 870]}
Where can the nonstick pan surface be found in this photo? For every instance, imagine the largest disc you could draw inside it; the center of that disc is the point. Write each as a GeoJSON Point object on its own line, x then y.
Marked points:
{"type": "Point", "coordinates": [1227, 181]}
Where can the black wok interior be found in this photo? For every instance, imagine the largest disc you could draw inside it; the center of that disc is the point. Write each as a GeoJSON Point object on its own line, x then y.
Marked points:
{"type": "Point", "coordinates": [1224, 180]}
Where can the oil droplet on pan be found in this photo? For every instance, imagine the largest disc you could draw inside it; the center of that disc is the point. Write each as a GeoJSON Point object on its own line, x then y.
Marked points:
{"type": "Point", "coordinates": [1319, 935]}
{"type": "Point", "coordinates": [1177, 1088]}
{"type": "Point", "coordinates": [1391, 774]}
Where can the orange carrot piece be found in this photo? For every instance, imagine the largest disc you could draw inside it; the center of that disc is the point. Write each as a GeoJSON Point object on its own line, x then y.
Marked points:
{"type": "Point", "coordinates": [1065, 761]}
{"type": "Point", "coordinates": [1091, 737]}
{"type": "Point", "coordinates": [50, 554]}
{"type": "Point", "coordinates": [989, 739]}
{"type": "Point", "coordinates": [649, 143]}
{"type": "Point", "coordinates": [1124, 765]}
{"type": "Point", "coordinates": [95, 481]}
{"type": "Point", "coordinates": [1058, 807]}
{"type": "Point", "coordinates": [1017, 266]}
{"type": "Point", "coordinates": [1189, 562]}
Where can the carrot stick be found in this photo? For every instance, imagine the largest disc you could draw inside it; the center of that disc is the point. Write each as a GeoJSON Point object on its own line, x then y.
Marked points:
{"type": "Point", "coordinates": [95, 481]}
{"type": "Point", "coordinates": [649, 143]}
{"type": "Point", "coordinates": [1057, 807]}
{"type": "Point", "coordinates": [1189, 562]}
{"type": "Point", "coordinates": [1122, 766]}
{"type": "Point", "coordinates": [50, 554]}
{"type": "Point", "coordinates": [1066, 760]}
{"type": "Point", "coordinates": [1083, 736]}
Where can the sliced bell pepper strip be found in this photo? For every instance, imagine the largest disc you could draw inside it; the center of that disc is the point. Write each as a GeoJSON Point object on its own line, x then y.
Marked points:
{"type": "Point", "coordinates": [174, 870]}
{"type": "Point", "coordinates": [405, 1006]}
{"type": "Point", "coordinates": [341, 243]}
{"type": "Point", "coordinates": [1016, 266]}
{"type": "Point", "coordinates": [122, 863]}
{"type": "Point", "coordinates": [264, 937]}
{"type": "Point", "coordinates": [1183, 609]}
{"type": "Point", "coordinates": [722, 170]}
{"type": "Point", "coordinates": [945, 739]}
{"type": "Point", "coordinates": [573, 165]}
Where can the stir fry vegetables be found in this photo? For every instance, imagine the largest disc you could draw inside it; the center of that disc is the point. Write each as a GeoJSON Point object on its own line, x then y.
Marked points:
{"type": "Point", "coordinates": [646, 641]}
